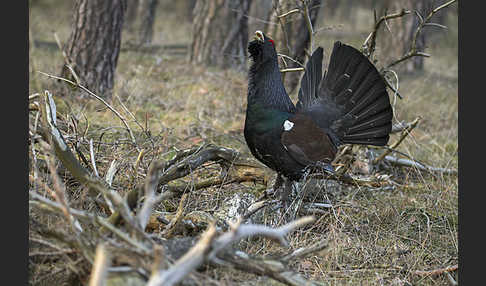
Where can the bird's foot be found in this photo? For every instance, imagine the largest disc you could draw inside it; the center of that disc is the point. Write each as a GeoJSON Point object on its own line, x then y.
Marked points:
{"type": "Point", "coordinates": [326, 168]}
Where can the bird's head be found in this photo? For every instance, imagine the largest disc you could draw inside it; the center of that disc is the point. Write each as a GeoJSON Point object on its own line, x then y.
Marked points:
{"type": "Point", "coordinates": [261, 48]}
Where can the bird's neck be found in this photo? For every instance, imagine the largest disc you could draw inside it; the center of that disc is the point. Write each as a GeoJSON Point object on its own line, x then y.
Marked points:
{"type": "Point", "coordinates": [265, 86]}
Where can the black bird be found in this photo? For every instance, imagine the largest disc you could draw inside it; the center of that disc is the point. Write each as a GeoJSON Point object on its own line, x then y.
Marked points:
{"type": "Point", "coordinates": [348, 105]}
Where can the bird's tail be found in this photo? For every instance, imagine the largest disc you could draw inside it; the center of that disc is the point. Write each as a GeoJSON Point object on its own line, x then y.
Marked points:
{"type": "Point", "coordinates": [358, 90]}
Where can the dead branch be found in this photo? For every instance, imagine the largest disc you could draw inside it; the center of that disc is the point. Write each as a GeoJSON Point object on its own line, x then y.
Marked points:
{"type": "Point", "coordinates": [272, 268]}
{"type": "Point", "coordinates": [282, 25]}
{"type": "Point", "coordinates": [48, 205]}
{"type": "Point", "coordinates": [100, 266]}
{"type": "Point", "coordinates": [369, 44]}
{"type": "Point", "coordinates": [290, 58]}
{"type": "Point", "coordinates": [95, 185]}
{"type": "Point", "coordinates": [292, 70]}
{"type": "Point", "coordinates": [296, 10]}
{"type": "Point", "coordinates": [240, 231]}
{"type": "Point", "coordinates": [412, 52]}
{"type": "Point", "coordinates": [308, 23]}
{"type": "Point", "coordinates": [400, 126]}
{"type": "Point", "coordinates": [151, 198]}
{"type": "Point", "coordinates": [436, 272]}
{"type": "Point", "coordinates": [78, 85]}
{"type": "Point", "coordinates": [210, 245]}
{"type": "Point", "coordinates": [306, 251]}
{"type": "Point", "coordinates": [404, 134]}
{"type": "Point", "coordinates": [169, 230]}
{"type": "Point", "coordinates": [413, 164]}
{"type": "Point", "coordinates": [187, 263]}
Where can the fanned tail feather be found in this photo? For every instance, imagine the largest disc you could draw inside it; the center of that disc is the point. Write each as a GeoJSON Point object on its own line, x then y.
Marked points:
{"type": "Point", "coordinates": [354, 84]}
{"type": "Point", "coordinates": [309, 84]}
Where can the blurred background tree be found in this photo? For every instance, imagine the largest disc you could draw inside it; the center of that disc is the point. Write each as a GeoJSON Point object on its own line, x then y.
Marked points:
{"type": "Point", "coordinates": [94, 44]}
{"type": "Point", "coordinates": [140, 20]}
{"type": "Point", "coordinates": [220, 33]}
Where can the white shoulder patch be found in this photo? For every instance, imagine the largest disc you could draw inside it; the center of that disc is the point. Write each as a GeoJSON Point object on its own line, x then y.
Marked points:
{"type": "Point", "coordinates": [288, 125]}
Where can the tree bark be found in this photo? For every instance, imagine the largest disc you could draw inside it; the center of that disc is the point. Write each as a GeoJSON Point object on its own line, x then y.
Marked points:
{"type": "Point", "coordinates": [220, 33]}
{"type": "Point", "coordinates": [131, 15]}
{"type": "Point", "coordinates": [94, 43]}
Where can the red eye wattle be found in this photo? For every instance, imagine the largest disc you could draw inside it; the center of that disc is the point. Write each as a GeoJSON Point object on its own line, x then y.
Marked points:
{"type": "Point", "coordinates": [271, 41]}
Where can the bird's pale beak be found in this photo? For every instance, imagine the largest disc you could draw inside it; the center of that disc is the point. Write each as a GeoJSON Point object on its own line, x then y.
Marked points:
{"type": "Point", "coordinates": [258, 36]}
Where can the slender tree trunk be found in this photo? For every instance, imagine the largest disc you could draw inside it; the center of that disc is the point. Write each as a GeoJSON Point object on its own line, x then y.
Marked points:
{"type": "Point", "coordinates": [300, 41]}
{"type": "Point", "coordinates": [291, 36]}
{"type": "Point", "coordinates": [259, 16]}
{"type": "Point", "coordinates": [94, 44]}
{"type": "Point", "coordinates": [146, 16]}
{"type": "Point", "coordinates": [220, 33]}
{"type": "Point", "coordinates": [131, 15]}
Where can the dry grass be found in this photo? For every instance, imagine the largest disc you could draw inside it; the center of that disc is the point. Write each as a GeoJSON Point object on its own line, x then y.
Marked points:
{"type": "Point", "coordinates": [379, 237]}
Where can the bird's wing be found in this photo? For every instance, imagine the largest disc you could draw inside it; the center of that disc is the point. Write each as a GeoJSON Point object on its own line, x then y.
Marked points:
{"type": "Point", "coordinates": [306, 142]}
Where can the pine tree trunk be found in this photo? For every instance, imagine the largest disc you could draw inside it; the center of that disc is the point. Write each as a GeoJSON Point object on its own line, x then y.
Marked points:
{"type": "Point", "coordinates": [94, 43]}
{"type": "Point", "coordinates": [300, 41]}
{"type": "Point", "coordinates": [131, 15]}
{"type": "Point", "coordinates": [220, 33]}
{"type": "Point", "coordinates": [146, 16]}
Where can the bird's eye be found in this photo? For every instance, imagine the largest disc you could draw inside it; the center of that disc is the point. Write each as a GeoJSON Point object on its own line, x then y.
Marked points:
{"type": "Point", "coordinates": [271, 41]}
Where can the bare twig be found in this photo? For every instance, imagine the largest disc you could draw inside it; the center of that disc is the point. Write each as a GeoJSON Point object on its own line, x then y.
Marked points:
{"type": "Point", "coordinates": [77, 84]}
{"type": "Point", "coordinates": [93, 161]}
{"type": "Point", "coordinates": [308, 23]}
{"type": "Point", "coordinates": [292, 70]}
{"type": "Point", "coordinates": [296, 10]}
{"type": "Point", "coordinates": [43, 203]}
{"type": "Point", "coordinates": [369, 44]}
{"type": "Point", "coordinates": [290, 58]}
{"type": "Point", "coordinates": [405, 133]}
{"type": "Point", "coordinates": [305, 251]}
{"type": "Point", "coordinates": [412, 52]}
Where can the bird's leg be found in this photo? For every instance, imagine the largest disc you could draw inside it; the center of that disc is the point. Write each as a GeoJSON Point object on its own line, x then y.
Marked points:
{"type": "Point", "coordinates": [274, 189]}
{"type": "Point", "coordinates": [286, 192]}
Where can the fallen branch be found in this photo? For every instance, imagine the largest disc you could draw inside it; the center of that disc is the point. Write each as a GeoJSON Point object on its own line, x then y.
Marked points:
{"type": "Point", "coordinates": [187, 263]}
{"type": "Point", "coordinates": [413, 164]}
{"type": "Point", "coordinates": [210, 245]}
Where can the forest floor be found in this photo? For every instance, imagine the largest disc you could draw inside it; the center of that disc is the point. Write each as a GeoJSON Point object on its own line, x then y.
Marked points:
{"type": "Point", "coordinates": [377, 236]}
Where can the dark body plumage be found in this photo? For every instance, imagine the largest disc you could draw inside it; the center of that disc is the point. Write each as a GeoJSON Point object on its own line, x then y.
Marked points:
{"type": "Point", "coordinates": [349, 105]}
